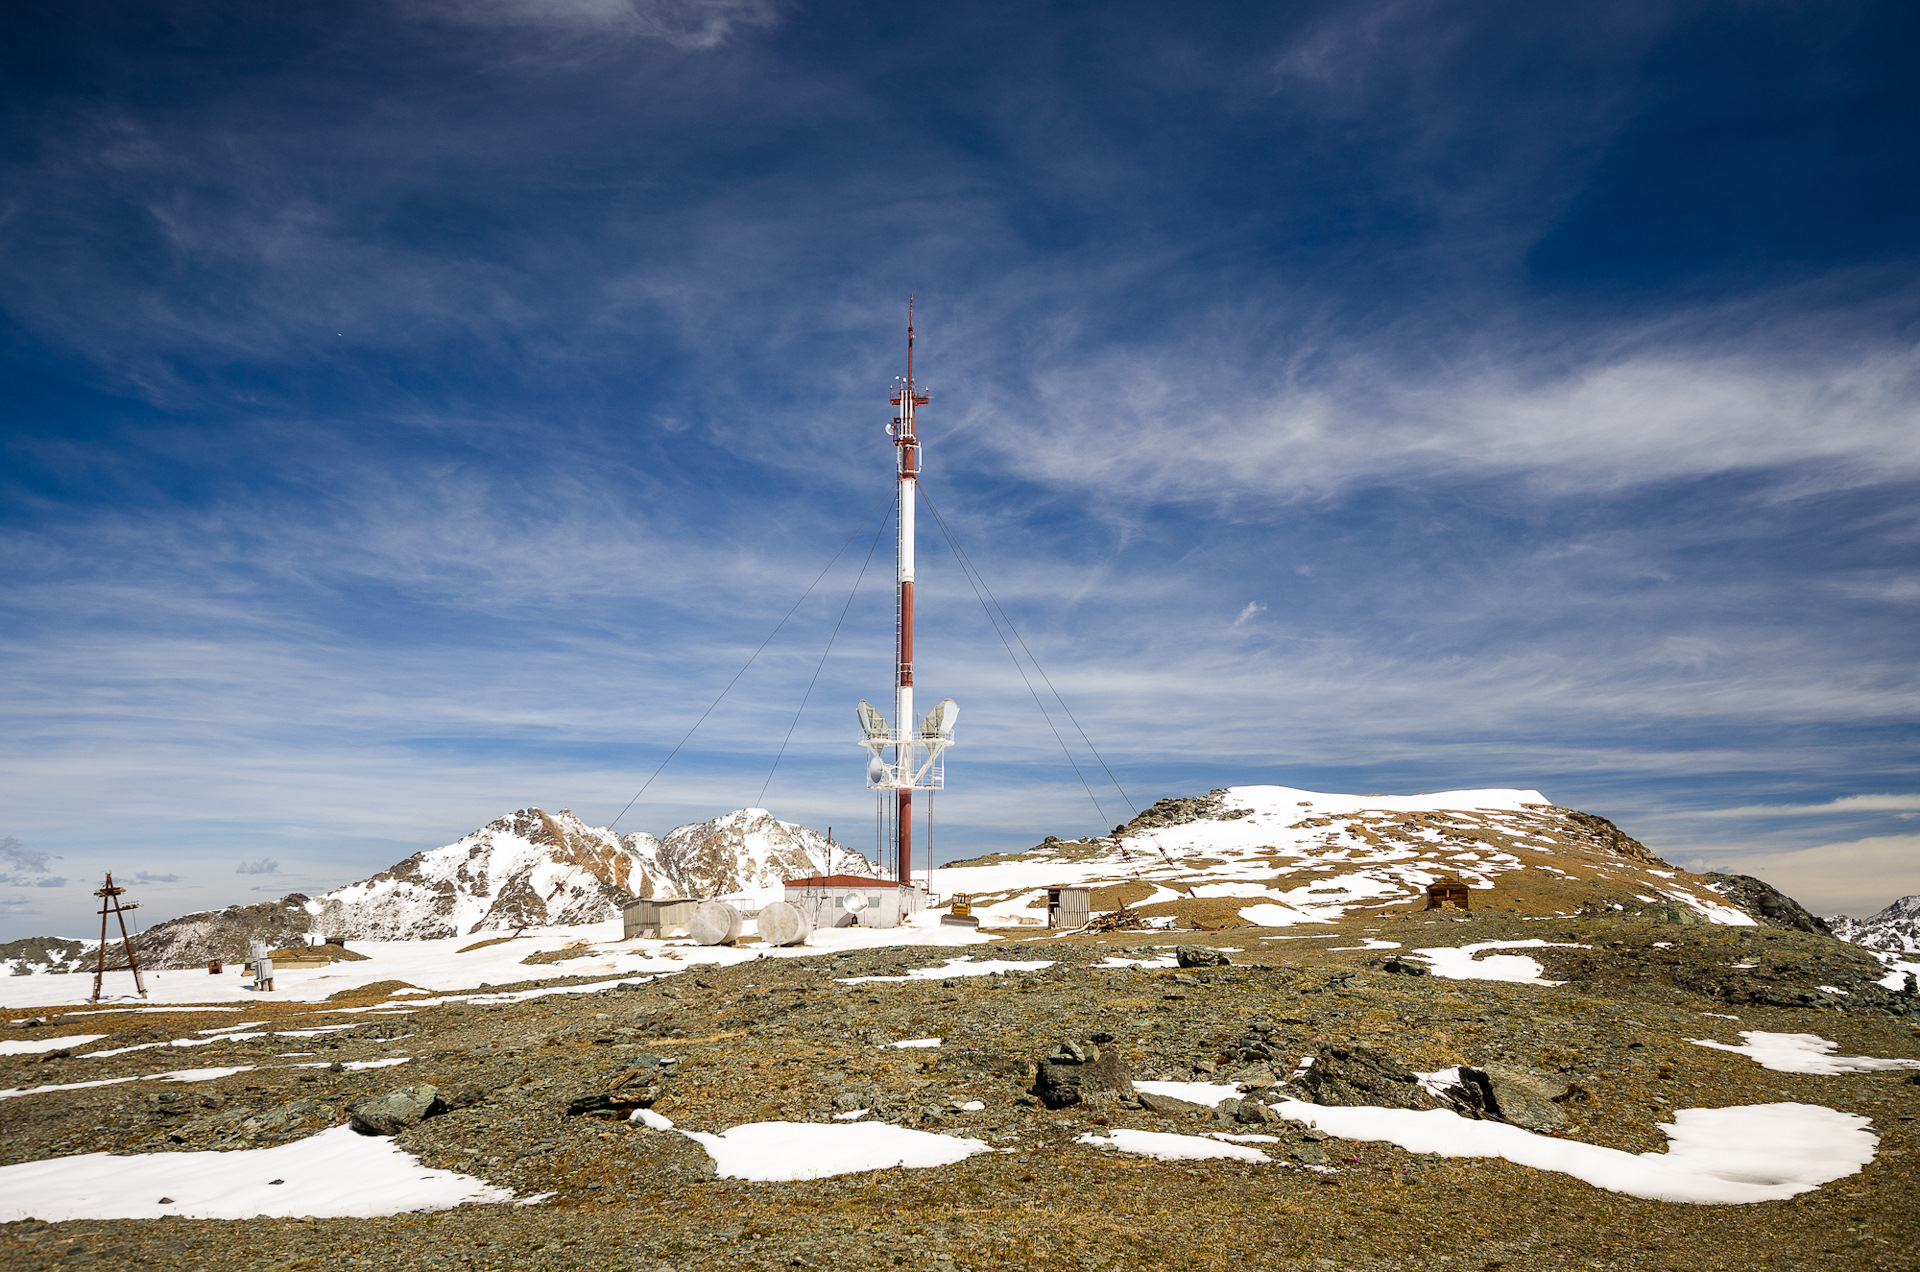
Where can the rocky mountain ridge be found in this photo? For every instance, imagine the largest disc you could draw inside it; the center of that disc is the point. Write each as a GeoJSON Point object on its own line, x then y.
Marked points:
{"type": "Point", "coordinates": [532, 867]}
{"type": "Point", "coordinates": [528, 868]}
{"type": "Point", "coordinates": [1895, 929]}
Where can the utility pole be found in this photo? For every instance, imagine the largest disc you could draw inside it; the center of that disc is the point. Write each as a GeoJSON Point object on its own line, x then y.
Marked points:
{"type": "Point", "coordinates": [110, 904]}
{"type": "Point", "coordinates": [895, 757]}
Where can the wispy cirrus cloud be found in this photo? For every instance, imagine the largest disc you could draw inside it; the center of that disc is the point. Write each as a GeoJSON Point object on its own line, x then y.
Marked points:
{"type": "Point", "coordinates": [1844, 806]}
{"type": "Point", "coordinates": [688, 24]}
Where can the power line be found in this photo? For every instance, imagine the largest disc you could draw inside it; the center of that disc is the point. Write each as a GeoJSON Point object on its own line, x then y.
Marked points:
{"type": "Point", "coordinates": [756, 653]}
{"type": "Point", "coordinates": [959, 551]}
{"type": "Point", "coordinates": [966, 570]}
{"type": "Point", "coordinates": [851, 593]}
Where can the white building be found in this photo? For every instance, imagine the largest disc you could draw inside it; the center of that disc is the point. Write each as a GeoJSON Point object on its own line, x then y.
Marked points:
{"type": "Point", "coordinates": [854, 900]}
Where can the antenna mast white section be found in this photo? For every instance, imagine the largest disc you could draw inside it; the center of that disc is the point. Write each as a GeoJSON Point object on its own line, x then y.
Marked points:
{"type": "Point", "coordinates": [910, 755]}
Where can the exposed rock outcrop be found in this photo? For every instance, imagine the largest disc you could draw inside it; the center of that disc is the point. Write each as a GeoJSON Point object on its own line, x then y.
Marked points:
{"type": "Point", "coordinates": [1767, 904]}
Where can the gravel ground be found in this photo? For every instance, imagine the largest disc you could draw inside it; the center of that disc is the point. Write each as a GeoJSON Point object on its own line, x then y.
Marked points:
{"type": "Point", "coordinates": [784, 1039]}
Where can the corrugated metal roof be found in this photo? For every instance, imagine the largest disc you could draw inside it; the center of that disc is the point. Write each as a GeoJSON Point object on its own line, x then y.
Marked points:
{"type": "Point", "coordinates": [841, 881]}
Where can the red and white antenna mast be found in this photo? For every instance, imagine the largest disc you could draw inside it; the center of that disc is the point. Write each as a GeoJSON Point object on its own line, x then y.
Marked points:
{"type": "Point", "coordinates": [910, 758]}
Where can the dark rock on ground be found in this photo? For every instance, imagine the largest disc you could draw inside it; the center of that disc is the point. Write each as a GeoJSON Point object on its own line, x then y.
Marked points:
{"type": "Point", "coordinates": [1361, 1075]}
{"type": "Point", "coordinates": [1074, 1071]}
{"type": "Point", "coordinates": [1200, 956]}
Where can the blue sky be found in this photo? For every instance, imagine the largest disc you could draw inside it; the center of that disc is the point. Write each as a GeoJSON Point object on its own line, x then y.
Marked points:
{"type": "Point", "coordinates": [414, 411]}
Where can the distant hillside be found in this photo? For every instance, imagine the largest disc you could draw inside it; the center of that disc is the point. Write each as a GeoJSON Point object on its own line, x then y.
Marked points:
{"type": "Point", "coordinates": [1276, 856]}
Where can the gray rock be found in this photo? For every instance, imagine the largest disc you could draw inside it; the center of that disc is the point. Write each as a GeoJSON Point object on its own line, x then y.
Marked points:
{"type": "Point", "coordinates": [1062, 1081]}
{"type": "Point", "coordinates": [1199, 956]}
{"type": "Point", "coordinates": [1525, 1097]}
{"type": "Point", "coordinates": [1169, 1106]}
{"type": "Point", "coordinates": [1254, 1113]}
{"type": "Point", "coordinates": [1361, 1075]}
{"type": "Point", "coordinates": [395, 1111]}
{"type": "Point", "coordinates": [1310, 1154]}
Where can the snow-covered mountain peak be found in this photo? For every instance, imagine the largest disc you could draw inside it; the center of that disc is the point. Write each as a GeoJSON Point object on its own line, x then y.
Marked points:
{"type": "Point", "coordinates": [1895, 929]}
{"type": "Point", "coordinates": [535, 867]}
{"type": "Point", "coordinates": [747, 854]}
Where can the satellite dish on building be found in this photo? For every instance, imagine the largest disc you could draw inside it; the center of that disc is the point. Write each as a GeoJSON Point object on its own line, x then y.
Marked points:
{"type": "Point", "coordinates": [939, 721]}
{"type": "Point", "coordinates": [874, 724]}
{"type": "Point", "coordinates": [856, 903]}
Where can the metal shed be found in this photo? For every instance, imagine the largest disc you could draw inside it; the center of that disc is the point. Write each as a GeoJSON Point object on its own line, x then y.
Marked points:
{"type": "Point", "coordinates": [1069, 906]}
{"type": "Point", "coordinates": [654, 917]}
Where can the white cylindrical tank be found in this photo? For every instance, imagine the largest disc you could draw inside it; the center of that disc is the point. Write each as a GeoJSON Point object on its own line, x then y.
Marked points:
{"type": "Point", "coordinates": [713, 923]}
{"type": "Point", "coordinates": [783, 924]}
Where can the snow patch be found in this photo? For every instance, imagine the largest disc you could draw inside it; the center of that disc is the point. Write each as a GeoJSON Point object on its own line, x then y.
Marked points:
{"type": "Point", "coordinates": [776, 1152]}
{"type": "Point", "coordinates": [1163, 1146]}
{"type": "Point", "coordinates": [337, 1173]}
{"type": "Point", "coordinates": [1460, 963]}
{"type": "Point", "coordinates": [1802, 1053]}
{"type": "Point", "coordinates": [1730, 1156]}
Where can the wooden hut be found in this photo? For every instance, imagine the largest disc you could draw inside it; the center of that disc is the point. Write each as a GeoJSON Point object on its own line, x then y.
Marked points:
{"type": "Point", "coordinates": [1069, 906]}
{"type": "Point", "coordinates": [1447, 893]}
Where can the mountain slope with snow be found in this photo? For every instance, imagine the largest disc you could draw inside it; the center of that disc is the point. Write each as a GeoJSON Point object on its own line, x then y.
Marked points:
{"type": "Point", "coordinates": [1896, 929]}
{"type": "Point", "coordinates": [538, 868]}
{"type": "Point", "coordinates": [1276, 856]}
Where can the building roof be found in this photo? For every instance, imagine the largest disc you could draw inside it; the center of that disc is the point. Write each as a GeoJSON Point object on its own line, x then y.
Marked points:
{"type": "Point", "coordinates": [841, 881]}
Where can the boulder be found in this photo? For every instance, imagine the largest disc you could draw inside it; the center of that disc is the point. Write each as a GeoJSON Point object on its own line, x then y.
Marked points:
{"type": "Point", "coordinates": [1168, 1105]}
{"type": "Point", "coordinates": [616, 1096]}
{"type": "Point", "coordinates": [1361, 1075]}
{"type": "Point", "coordinates": [1199, 956]}
{"type": "Point", "coordinates": [1525, 1097]}
{"type": "Point", "coordinates": [1073, 1072]}
{"type": "Point", "coordinates": [1254, 1113]}
{"type": "Point", "coordinates": [395, 1111]}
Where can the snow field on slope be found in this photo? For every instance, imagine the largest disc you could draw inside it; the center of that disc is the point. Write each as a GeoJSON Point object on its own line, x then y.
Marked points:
{"type": "Point", "coordinates": [179, 1075]}
{"type": "Point", "coordinates": [1730, 1156]}
{"type": "Point", "coordinates": [1802, 1053]}
{"type": "Point", "coordinates": [439, 967]}
{"type": "Point", "coordinates": [336, 1173]}
{"type": "Point", "coordinates": [37, 1045]}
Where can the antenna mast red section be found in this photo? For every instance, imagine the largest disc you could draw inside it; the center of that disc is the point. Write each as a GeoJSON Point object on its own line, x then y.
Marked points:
{"type": "Point", "coordinates": [906, 396]}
